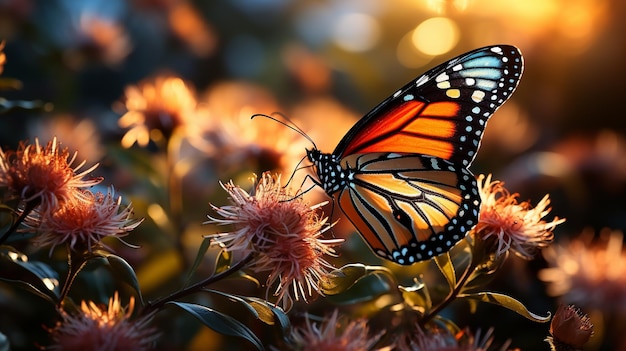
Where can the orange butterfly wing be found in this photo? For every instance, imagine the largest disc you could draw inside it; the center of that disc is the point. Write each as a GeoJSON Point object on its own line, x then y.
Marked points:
{"type": "Point", "coordinates": [421, 193]}
{"type": "Point", "coordinates": [413, 127]}
{"type": "Point", "coordinates": [442, 113]}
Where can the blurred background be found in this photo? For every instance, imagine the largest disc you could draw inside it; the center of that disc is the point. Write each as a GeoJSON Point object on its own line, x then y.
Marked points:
{"type": "Point", "coordinates": [74, 68]}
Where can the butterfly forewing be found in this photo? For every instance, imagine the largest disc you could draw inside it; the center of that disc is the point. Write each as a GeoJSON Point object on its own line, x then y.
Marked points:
{"type": "Point", "coordinates": [442, 113]}
{"type": "Point", "coordinates": [426, 202]}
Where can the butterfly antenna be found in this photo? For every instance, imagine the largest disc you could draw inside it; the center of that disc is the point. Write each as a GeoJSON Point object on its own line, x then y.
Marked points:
{"type": "Point", "coordinates": [296, 169]}
{"type": "Point", "coordinates": [287, 123]}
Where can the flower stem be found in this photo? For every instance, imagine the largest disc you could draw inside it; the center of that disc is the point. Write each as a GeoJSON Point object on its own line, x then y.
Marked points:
{"type": "Point", "coordinates": [75, 264]}
{"type": "Point", "coordinates": [152, 306]}
{"type": "Point", "coordinates": [30, 206]}
{"type": "Point", "coordinates": [175, 194]}
{"type": "Point", "coordinates": [451, 296]}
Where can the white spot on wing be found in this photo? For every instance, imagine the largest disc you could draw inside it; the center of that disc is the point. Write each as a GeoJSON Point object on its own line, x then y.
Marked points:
{"type": "Point", "coordinates": [442, 77]}
{"type": "Point", "coordinates": [478, 95]}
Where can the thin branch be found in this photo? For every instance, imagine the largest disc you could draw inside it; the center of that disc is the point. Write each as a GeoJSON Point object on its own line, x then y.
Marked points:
{"type": "Point", "coordinates": [152, 306]}
{"type": "Point", "coordinates": [30, 206]}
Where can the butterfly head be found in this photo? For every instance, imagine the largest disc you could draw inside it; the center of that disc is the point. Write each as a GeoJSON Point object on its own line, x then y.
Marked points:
{"type": "Point", "coordinates": [332, 176]}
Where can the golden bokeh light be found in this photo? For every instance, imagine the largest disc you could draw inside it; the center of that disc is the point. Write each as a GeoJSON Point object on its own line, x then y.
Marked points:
{"type": "Point", "coordinates": [435, 36]}
{"type": "Point", "coordinates": [408, 55]}
{"type": "Point", "coordinates": [440, 6]}
{"type": "Point", "coordinates": [572, 25]}
{"type": "Point", "coordinates": [579, 25]}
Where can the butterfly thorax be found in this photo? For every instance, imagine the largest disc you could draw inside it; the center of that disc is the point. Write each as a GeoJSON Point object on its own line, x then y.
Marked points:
{"type": "Point", "coordinates": [331, 174]}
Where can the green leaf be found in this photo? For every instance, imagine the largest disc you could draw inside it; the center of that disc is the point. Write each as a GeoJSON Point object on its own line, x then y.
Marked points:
{"type": "Point", "coordinates": [444, 263]}
{"type": "Point", "coordinates": [473, 305]}
{"type": "Point", "coordinates": [342, 279]}
{"type": "Point", "coordinates": [259, 308]}
{"type": "Point", "coordinates": [242, 301]}
{"type": "Point", "coordinates": [262, 309]}
{"type": "Point", "coordinates": [34, 276]}
{"type": "Point", "coordinates": [121, 269]}
{"type": "Point", "coordinates": [219, 322]}
{"type": "Point", "coordinates": [244, 275]}
{"type": "Point", "coordinates": [224, 260]}
{"type": "Point", "coordinates": [45, 294]}
{"type": "Point", "coordinates": [417, 295]}
{"type": "Point", "coordinates": [204, 246]}
{"type": "Point", "coordinates": [484, 274]}
{"type": "Point", "coordinates": [282, 319]}
{"type": "Point", "coordinates": [43, 272]}
{"type": "Point", "coordinates": [508, 302]}
{"type": "Point", "coordinates": [268, 312]}
{"type": "Point", "coordinates": [366, 289]}
{"type": "Point", "coordinates": [124, 270]}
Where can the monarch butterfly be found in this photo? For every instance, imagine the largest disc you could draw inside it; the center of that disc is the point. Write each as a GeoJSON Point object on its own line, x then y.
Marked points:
{"type": "Point", "coordinates": [401, 173]}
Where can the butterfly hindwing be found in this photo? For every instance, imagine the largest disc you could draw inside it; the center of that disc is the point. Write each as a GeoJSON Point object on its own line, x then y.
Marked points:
{"type": "Point", "coordinates": [426, 202]}
{"type": "Point", "coordinates": [442, 113]}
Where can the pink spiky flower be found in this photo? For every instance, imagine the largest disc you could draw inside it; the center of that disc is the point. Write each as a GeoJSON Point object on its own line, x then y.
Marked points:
{"type": "Point", "coordinates": [512, 225]}
{"type": "Point", "coordinates": [43, 176]}
{"type": "Point", "coordinates": [83, 221]}
{"type": "Point", "coordinates": [283, 233]}
{"type": "Point", "coordinates": [103, 328]}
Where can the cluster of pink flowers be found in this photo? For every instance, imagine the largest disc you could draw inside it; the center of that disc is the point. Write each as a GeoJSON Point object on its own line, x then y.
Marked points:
{"type": "Point", "coordinates": [55, 200]}
{"type": "Point", "coordinates": [43, 176]}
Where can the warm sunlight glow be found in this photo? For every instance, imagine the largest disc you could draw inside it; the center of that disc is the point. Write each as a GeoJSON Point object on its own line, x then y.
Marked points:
{"type": "Point", "coordinates": [408, 55]}
{"type": "Point", "coordinates": [436, 36]}
{"type": "Point", "coordinates": [157, 214]}
{"type": "Point", "coordinates": [537, 12]}
{"type": "Point", "coordinates": [580, 23]}
{"type": "Point", "coordinates": [440, 6]}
